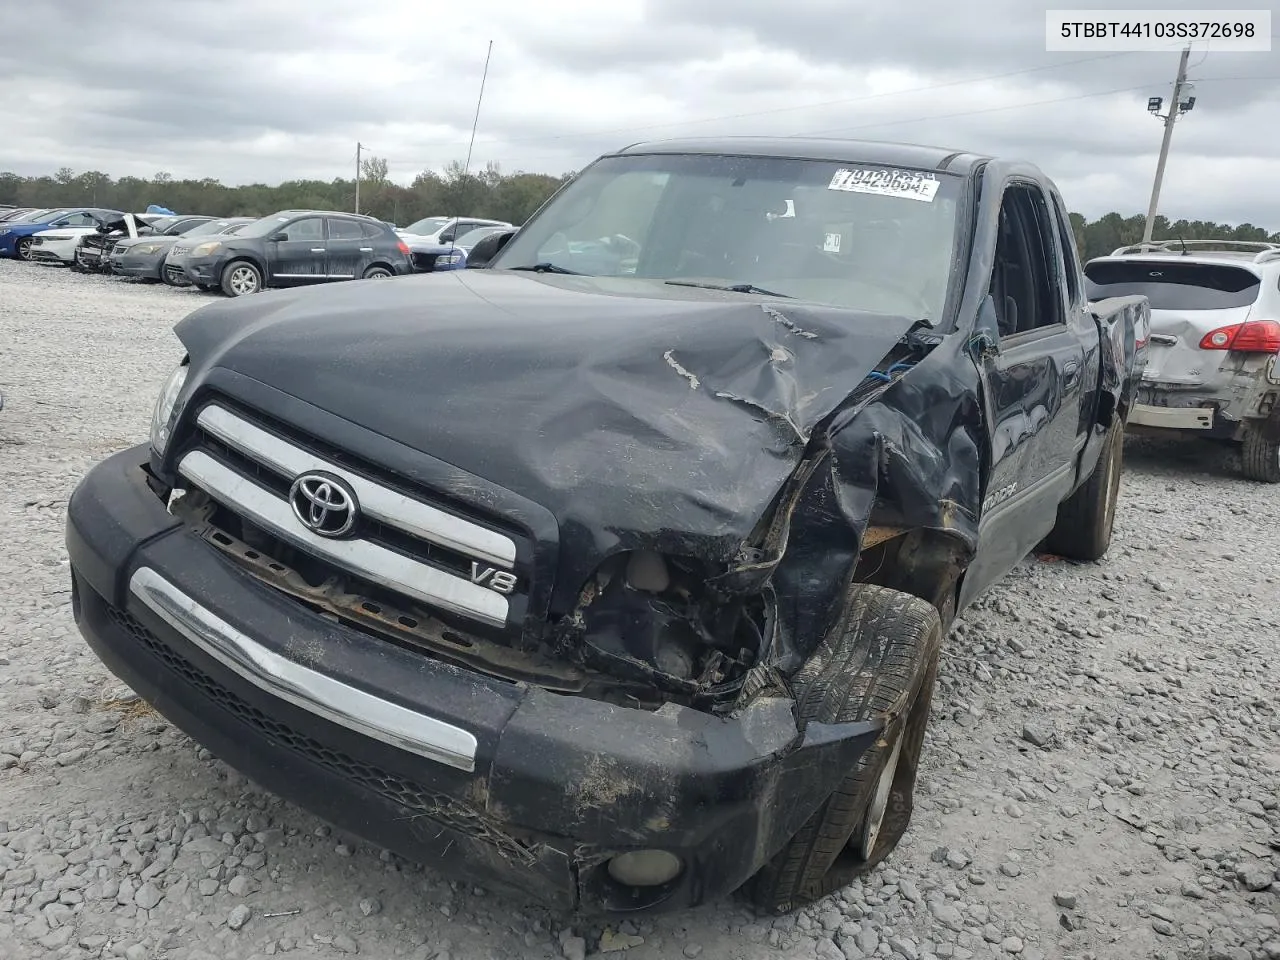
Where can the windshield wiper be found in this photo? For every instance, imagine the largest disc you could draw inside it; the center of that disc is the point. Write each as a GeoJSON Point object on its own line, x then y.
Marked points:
{"type": "Point", "coordinates": [731, 287]}
{"type": "Point", "coordinates": [546, 268]}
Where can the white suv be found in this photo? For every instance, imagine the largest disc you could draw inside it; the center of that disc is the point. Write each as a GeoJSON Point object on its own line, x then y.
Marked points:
{"type": "Point", "coordinates": [1214, 349]}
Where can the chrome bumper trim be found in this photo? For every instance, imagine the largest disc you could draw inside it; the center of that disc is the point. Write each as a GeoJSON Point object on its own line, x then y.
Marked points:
{"type": "Point", "coordinates": [302, 686]}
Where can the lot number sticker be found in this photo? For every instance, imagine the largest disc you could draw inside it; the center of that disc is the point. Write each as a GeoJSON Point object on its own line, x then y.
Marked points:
{"type": "Point", "coordinates": [908, 184]}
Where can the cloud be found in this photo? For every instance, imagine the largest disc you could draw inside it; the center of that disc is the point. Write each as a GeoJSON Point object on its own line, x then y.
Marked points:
{"type": "Point", "coordinates": [263, 92]}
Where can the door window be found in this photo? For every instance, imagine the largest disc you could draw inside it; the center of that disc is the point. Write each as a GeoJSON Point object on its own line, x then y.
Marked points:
{"type": "Point", "coordinates": [1027, 277]}
{"type": "Point", "coordinates": [310, 229]}
{"type": "Point", "coordinates": [344, 230]}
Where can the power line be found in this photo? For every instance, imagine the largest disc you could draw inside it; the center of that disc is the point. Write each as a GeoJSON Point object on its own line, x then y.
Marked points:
{"type": "Point", "coordinates": [886, 123]}
{"type": "Point", "coordinates": [789, 109]}
{"type": "Point", "coordinates": [1011, 106]}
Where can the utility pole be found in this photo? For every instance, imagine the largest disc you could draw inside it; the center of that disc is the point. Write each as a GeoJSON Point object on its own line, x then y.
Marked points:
{"type": "Point", "coordinates": [357, 176]}
{"type": "Point", "coordinates": [1175, 111]}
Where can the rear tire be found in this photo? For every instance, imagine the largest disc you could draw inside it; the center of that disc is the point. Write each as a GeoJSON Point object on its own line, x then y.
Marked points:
{"type": "Point", "coordinates": [376, 273]}
{"type": "Point", "coordinates": [1086, 518]}
{"type": "Point", "coordinates": [1260, 452]}
{"type": "Point", "coordinates": [241, 278]}
{"type": "Point", "coordinates": [880, 659]}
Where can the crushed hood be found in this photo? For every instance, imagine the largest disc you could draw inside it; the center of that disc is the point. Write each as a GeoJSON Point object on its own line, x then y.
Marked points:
{"type": "Point", "coordinates": [639, 414]}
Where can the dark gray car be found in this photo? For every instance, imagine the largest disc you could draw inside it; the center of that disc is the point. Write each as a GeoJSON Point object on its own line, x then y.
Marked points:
{"type": "Point", "coordinates": [296, 247]}
{"type": "Point", "coordinates": [143, 257]}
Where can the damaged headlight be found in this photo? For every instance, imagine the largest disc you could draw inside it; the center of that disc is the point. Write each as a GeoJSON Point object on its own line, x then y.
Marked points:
{"type": "Point", "coordinates": [166, 405]}
{"type": "Point", "coordinates": [204, 249]}
{"type": "Point", "coordinates": [654, 618]}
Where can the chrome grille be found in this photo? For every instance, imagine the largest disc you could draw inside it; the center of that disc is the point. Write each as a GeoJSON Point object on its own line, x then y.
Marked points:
{"type": "Point", "coordinates": [402, 544]}
{"type": "Point", "coordinates": [178, 250]}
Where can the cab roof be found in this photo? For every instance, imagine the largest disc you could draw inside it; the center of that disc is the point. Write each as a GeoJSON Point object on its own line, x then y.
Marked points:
{"type": "Point", "coordinates": [807, 148]}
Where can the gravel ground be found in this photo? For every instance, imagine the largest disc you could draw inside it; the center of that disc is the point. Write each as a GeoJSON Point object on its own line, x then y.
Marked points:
{"type": "Point", "coordinates": [1101, 776]}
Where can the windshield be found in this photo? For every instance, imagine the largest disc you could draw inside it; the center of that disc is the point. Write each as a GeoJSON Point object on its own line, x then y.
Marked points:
{"type": "Point", "coordinates": [1174, 286]}
{"type": "Point", "coordinates": [161, 224]}
{"type": "Point", "coordinates": [472, 237]}
{"type": "Point", "coordinates": [428, 226]}
{"type": "Point", "coordinates": [267, 226]}
{"type": "Point", "coordinates": [209, 227]}
{"type": "Point", "coordinates": [44, 216]}
{"type": "Point", "coordinates": [848, 234]}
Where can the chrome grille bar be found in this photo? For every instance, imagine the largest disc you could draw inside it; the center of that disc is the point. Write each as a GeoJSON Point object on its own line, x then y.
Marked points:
{"type": "Point", "coordinates": [394, 509]}
{"type": "Point", "coordinates": [360, 557]}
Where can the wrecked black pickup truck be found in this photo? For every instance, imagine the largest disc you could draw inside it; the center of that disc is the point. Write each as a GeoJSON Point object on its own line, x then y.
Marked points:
{"type": "Point", "coordinates": [615, 570]}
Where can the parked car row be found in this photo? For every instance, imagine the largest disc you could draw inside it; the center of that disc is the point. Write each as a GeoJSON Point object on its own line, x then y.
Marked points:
{"type": "Point", "coordinates": [239, 255]}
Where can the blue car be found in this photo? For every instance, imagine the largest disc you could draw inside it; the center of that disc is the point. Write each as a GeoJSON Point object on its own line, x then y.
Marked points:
{"type": "Point", "coordinates": [15, 237]}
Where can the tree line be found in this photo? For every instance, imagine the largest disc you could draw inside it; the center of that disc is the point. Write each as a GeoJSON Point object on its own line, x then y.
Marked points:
{"type": "Point", "coordinates": [488, 193]}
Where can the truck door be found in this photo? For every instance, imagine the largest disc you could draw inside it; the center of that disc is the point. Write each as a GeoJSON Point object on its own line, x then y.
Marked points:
{"type": "Point", "coordinates": [1037, 384]}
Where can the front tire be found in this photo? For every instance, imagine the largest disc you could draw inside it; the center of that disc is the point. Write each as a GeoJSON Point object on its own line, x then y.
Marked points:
{"type": "Point", "coordinates": [23, 248]}
{"type": "Point", "coordinates": [241, 278]}
{"type": "Point", "coordinates": [880, 660]}
{"type": "Point", "coordinates": [1086, 519]}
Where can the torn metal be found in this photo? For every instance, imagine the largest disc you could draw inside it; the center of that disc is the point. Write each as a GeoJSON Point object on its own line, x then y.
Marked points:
{"type": "Point", "coordinates": [739, 450]}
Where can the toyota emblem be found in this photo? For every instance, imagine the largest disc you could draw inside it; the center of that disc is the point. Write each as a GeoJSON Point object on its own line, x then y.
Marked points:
{"type": "Point", "coordinates": [324, 504]}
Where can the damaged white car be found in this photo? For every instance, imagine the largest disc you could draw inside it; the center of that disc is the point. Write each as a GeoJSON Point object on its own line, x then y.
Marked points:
{"type": "Point", "coordinates": [1213, 359]}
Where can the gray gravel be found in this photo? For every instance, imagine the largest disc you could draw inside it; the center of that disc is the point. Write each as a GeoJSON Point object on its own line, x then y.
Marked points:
{"type": "Point", "coordinates": [1101, 780]}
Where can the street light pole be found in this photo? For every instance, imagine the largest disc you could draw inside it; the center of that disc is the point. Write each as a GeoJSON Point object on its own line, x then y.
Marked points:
{"type": "Point", "coordinates": [357, 177]}
{"type": "Point", "coordinates": [1175, 110]}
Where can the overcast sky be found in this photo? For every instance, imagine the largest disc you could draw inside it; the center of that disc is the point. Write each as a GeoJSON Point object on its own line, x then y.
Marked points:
{"type": "Point", "coordinates": [280, 89]}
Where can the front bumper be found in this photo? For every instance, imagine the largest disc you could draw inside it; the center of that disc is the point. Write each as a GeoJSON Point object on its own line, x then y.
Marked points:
{"type": "Point", "coordinates": [501, 783]}
{"type": "Point", "coordinates": [55, 251]}
{"type": "Point", "coordinates": [145, 267]}
{"type": "Point", "coordinates": [204, 270]}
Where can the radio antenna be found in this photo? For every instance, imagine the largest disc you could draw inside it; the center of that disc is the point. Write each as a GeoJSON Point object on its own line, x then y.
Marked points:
{"type": "Point", "coordinates": [466, 167]}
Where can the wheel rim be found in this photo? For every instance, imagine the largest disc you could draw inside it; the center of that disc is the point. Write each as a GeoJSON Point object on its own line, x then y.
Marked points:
{"type": "Point", "coordinates": [1112, 483]}
{"type": "Point", "coordinates": [869, 834]}
{"type": "Point", "coordinates": [244, 280]}
{"type": "Point", "coordinates": [24, 249]}
{"type": "Point", "coordinates": [378, 274]}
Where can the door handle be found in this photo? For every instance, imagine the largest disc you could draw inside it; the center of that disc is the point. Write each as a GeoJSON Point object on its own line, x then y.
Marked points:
{"type": "Point", "coordinates": [317, 249]}
{"type": "Point", "coordinates": [366, 249]}
{"type": "Point", "coordinates": [1071, 373]}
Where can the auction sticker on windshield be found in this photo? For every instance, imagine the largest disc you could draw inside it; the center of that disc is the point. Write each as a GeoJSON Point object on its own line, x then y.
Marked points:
{"type": "Point", "coordinates": [910, 184]}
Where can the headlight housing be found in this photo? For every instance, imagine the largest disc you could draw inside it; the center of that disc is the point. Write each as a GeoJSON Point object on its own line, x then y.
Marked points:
{"type": "Point", "coordinates": [147, 248]}
{"type": "Point", "coordinates": [166, 406]}
{"type": "Point", "coordinates": [204, 249]}
{"type": "Point", "coordinates": [448, 259]}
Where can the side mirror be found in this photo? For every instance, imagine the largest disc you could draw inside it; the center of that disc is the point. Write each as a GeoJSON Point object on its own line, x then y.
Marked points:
{"type": "Point", "coordinates": [279, 237]}
{"type": "Point", "coordinates": [488, 248]}
{"type": "Point", "coordinates": [446, 238]}
{"type": "Point", "coordinates": [59, 223]}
